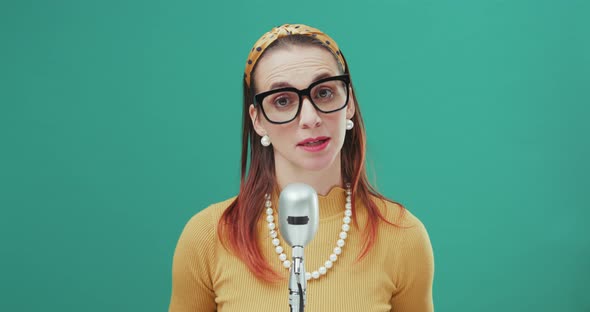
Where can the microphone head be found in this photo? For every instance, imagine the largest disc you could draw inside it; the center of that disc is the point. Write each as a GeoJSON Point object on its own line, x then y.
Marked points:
{"type": "Point", "coordinates": [298, 214]}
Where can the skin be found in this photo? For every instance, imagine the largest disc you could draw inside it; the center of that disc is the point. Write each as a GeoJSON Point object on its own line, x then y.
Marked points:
{"type": "Point", "coordinates": [299, 66]}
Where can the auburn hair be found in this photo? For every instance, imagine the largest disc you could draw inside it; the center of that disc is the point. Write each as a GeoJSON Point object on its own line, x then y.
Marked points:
{"type": "Point", "coordinates": [238, 224]}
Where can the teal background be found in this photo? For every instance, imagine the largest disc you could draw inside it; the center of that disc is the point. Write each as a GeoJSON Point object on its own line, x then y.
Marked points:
{"type": "Point", "coordinates": [119, 120]}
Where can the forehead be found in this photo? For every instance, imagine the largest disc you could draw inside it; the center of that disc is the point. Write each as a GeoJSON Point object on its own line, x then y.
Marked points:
{"type": "Point", "coordinates": [296, 66]}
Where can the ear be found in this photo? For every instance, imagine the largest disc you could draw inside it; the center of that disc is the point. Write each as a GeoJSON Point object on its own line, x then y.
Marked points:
{"type": "Point", "coordinates": [255, 121]}
{"type": "Point", "coordinates": [351, 107]}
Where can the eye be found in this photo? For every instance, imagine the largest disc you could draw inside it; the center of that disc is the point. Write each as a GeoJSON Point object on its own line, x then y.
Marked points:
{"type": "Point", "coordinates": [281, 101]}
{"type": "Point", "coordinates": [324, 93]}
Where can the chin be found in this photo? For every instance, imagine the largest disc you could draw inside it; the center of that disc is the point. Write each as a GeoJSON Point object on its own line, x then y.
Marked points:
{"type": "Point", "coordinates": [317, 164]}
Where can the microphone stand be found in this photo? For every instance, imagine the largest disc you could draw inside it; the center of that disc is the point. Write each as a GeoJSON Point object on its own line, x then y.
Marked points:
{"type": "Point", "coordinates": [297, 281]}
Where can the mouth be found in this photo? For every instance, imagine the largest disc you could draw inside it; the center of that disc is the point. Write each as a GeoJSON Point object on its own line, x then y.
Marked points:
{"type": "Point", "coordinates": [313, 141]}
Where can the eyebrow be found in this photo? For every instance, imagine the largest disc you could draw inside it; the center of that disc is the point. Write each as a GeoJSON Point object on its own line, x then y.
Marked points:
{"type": "Point", "coordinates": [283, 84]}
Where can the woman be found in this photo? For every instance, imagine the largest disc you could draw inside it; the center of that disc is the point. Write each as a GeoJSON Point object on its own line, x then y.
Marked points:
{"type": "Point", "coordinates": [303, 124]}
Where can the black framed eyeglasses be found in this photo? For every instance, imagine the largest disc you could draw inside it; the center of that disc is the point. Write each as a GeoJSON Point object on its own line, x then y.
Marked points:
{"type": "Point", "coordinates": [283, 105]}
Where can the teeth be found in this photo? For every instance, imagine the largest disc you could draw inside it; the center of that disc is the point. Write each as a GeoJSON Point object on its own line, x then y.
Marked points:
{"type": "Point", "coordinates": [314, 142]}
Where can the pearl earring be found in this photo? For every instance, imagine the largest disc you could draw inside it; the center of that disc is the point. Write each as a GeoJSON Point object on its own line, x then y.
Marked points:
{"type": "Point", "coordinates": [349, 124]}
{"type": "Point", "coordinates": [265, 141]}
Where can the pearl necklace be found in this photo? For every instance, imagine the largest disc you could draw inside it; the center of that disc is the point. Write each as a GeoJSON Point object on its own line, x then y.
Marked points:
{"type": "Point", "coordinates": [323, 270]}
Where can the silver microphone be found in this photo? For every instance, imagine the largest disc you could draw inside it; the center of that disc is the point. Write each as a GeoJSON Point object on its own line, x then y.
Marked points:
{"type": "Point", "coordinates": [298, 223]}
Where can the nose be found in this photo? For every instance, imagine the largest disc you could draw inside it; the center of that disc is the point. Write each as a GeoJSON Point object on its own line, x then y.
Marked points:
{"type": "Point", "coordinates": [308, 117]}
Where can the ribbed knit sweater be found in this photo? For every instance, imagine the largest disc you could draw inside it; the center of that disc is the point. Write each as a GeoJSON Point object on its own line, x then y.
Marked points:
{"type": "Point", "coordinates": [397, 274]}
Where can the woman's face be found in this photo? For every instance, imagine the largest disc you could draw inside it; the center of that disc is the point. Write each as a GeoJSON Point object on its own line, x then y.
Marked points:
{"type": "Point", "coordinates": [298, 67]}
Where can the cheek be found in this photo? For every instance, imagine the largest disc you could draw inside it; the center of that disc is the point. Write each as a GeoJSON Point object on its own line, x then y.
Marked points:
{"type": "Point", "coordinates": [280, 134]}
{"type": "Point", "coordinates": [338, 123]}
{"type": "Point", "coordinates": [337, 129]}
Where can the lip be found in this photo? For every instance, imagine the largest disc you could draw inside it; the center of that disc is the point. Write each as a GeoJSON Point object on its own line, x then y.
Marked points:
{"type": "Point", "coordinates": [315, 148]}
{"type": "Point", "coordinates": [321, 138]}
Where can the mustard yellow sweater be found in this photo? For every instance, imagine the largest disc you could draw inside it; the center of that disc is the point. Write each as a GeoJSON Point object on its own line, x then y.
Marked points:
{"type": "Point", "coordinates": [397, 275]}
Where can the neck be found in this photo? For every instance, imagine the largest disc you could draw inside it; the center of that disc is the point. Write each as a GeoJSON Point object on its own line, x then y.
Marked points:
{"type": "Point", "coordinates": [321, 180]}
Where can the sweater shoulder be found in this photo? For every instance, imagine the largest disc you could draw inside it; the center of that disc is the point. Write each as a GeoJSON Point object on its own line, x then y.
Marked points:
{"type": "Point", "coordinates": [407, 237]}
{"type": "Point", "coordinates": [405, 230]}
{"type": "Point", "coordinates": [397, 213]}
{"type": "Point", "coordinates": [210, 215]}
{"type": "Point", "coordinates": [215, 210]}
